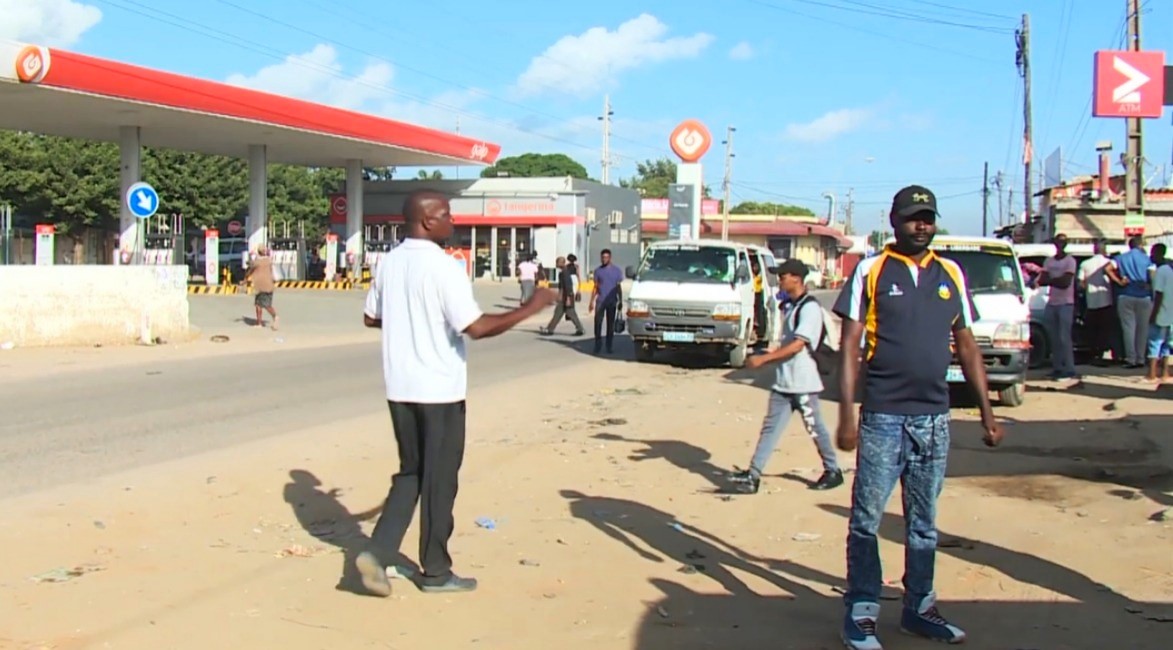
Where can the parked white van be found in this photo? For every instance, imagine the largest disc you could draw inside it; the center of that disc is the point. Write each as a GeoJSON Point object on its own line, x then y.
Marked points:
{"type": "Point", "coordinates": [700, 295]}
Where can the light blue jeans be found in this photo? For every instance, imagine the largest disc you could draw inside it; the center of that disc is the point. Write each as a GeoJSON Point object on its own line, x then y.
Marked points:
{"type": "Point", "coordinates": [911, 449]}
{"type": "Point", "coordinates": [778, 413]}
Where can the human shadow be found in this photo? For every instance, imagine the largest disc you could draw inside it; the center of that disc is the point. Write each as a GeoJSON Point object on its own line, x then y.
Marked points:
{"type": "Point", "coordinates": [1023, 567]}
{"type": "Point", "coordinates": [323, 516]}
{"type": "Point", "coordinates": [657, 536]}
{"type": "Point", "coordinates": [688, 457]}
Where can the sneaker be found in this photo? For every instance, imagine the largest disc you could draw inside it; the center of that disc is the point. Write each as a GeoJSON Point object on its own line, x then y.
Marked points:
{"type": "Point", "coordinates": [373, 574]}
{"type": "Point", "coordinates": [926, 622]}
{"type": "Point", "coordinates": [741, 476]}
{"type": "Point", "coordinates": [396, 572]}
{"type": "Point", "coordinates": [859, 627]}
{"type": "Point", "coordinates": [454, 584]}
{"type": "Point", "coordinates": [750, 485]}
{"type": "Point", "coordinates": [828, 481]}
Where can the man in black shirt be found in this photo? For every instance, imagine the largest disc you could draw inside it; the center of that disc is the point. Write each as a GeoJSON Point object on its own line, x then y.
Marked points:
{"type": "Point", "coordinates": [568, 294]}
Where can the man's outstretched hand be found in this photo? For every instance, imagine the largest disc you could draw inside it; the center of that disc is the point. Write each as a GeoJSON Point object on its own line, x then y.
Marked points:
{"type": "Point", "coordinates": [544, 297]}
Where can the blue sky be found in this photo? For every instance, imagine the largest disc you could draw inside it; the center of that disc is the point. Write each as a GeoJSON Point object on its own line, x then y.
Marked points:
{"type": "Point", "coordinates": [826, 95]}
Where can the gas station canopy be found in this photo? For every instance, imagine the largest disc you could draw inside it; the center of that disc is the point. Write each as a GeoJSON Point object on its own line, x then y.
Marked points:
{"type": "Point", "coordinates": [57, 92]}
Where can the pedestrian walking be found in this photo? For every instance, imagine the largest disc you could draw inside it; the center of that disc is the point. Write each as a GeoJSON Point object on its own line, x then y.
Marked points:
{"type": "Point", "coordinates": [797, 383]}
{"type": "Point", "coordinates": [567, 296]}
{"type": "Point", "coordinates": [1100, 316]}
{"type": "Point", "coordinates": [1134, 302]}
{"type": "Point", "coordinates": [425, 307]}
{"type": "Point", "coordinates": [527, 276]}
{"type": "Point", "coordinates": [606, 300]}
{"type": "Point", "coordinates": [260, 272]}
{"type": "Point", "coordinates": [908, 305]}
{"type": "Point", "coordinates": [1059, 314]}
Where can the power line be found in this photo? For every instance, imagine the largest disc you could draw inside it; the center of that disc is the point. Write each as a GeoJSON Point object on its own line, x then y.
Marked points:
{"type": "Point", "coordinates": [251, 45]}
{"type": "Point", "coordinates": [891, 37]}
{"type": "Point", "coordinates": [865, 8]}
{"type": "Point", "coordinates": [962, 9]}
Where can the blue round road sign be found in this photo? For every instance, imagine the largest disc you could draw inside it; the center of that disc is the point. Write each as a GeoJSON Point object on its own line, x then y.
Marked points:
{"type": "Point", "coordinates": [142, 199]}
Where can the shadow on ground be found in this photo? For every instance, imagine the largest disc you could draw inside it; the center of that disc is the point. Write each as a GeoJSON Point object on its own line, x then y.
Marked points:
{"type": "Point", "coordinates": [809, 617]}
{"type": "Point", "coordinates": [323, 516]}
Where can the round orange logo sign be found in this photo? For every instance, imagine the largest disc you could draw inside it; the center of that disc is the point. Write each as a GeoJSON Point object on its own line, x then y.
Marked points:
{"type": "Point", "coordinates": [32, 64]}
{"type": "Point", "coordinates": [690, 140]}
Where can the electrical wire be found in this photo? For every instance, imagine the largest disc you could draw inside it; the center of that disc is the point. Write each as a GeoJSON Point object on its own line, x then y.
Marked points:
{"type": "Point", "coordinates": [901, 40]}
{"type": "Point", "coordinates": [865, 8]}
{"type": "Point", "coordinates": [251, 45]}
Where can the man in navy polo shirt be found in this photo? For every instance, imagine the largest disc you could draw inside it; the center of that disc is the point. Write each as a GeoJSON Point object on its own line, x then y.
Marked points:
{"type": "Point", "coordinates": [909, 306]}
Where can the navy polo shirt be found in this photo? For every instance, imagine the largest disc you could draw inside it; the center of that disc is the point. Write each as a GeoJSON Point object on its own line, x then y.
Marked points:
{"type": "Point", "coordinates": [909, 311]}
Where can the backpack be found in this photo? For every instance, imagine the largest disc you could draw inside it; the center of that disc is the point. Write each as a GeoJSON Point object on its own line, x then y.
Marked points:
{"type": "Point", "coordinates": [821, 351]}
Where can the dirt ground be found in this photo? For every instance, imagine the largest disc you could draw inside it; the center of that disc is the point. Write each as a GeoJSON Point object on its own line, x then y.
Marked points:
{"type": "Point", "coordinates": [603, 526]}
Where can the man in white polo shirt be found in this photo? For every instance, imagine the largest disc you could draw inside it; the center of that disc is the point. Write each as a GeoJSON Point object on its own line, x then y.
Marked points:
{"type": "Point", "coordinates": [425, 306]}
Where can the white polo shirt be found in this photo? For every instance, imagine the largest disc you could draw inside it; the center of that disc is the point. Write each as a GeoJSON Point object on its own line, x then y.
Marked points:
{"type": "Point", "coordinates": [425, 302]}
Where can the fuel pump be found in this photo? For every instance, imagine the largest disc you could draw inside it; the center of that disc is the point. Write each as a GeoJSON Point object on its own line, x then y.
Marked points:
{"type": "Point", "coordinates": [289, 250]}
{"type": "Point", "coordinates": [378, 240]}
{"type": "Point", "coordinates": [163, 240]}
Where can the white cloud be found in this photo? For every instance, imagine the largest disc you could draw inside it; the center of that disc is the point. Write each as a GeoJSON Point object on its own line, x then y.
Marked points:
{"type": "Point", "coordinates": [587, 63]}
{"type": "Point", "coordinates": [743, 51]}
{"type": "Point", "coordinates": [54, 23]}
{"type": "Point", "coordinates": [830, 125]}
{"type": "Point", "coordinates": [318, 76]}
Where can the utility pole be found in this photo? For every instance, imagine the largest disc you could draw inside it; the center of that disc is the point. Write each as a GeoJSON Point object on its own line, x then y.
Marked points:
{"type": "Point", "coordinates": [1133, 172]}
{"type": "Point", "coordinates": [606, 119]}
{"type": "Point", "coordinates": [725, 184]}
{"type": "Point", "coordinates": [1010, 205]}
{"type": "Point", "coordinates": [1023, 60]}
{"type": "Point", "coordinates": [986, 200]}
{"type": "Point", "coordinates": [848, 210]}
{"type": "Point", "coordinates": [999, 178]}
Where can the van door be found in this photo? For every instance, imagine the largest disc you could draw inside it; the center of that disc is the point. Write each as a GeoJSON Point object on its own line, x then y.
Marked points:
{"type": "Point", "coordinates": [745, 293]}
{"type": "Point", "coordinates": [773, 315]}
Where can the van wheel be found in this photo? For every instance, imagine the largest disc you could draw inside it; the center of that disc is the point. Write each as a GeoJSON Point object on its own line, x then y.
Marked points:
{"type": "Point", "coordinates": [1040, 347]}
{"type": "Point", "coordinates": [1013, 395]}
{"type": "Point", "coordinates": [644, 352]}
{"type": "Point", "coordinates": [738, 355]}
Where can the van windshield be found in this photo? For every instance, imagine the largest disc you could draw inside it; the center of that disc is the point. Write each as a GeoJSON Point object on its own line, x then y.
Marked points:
{"type": "Point", "coordinates": [687, 264]}
{"type": "Point", "coordinates": [987, 270]}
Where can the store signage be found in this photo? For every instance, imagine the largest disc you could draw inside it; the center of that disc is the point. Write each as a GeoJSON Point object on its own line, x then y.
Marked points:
{"type": "Point", "coordinates": [1129, 84]}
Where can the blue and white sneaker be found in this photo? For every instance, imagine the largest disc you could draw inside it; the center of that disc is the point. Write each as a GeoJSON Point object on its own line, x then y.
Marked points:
{"type": "Point", "coordinates": [859, 627]}
{"type": "Point", "coordinates": [926, 621]}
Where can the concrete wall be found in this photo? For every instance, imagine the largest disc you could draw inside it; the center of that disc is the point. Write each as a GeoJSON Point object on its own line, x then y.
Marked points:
{"type": "Point", "coordinates": [88, 305]}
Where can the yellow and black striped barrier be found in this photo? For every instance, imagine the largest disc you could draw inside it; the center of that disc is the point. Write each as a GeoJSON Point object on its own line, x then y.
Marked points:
{"type": "Point", "coordinates": [220, 290]}
{"type": "Point", "coordinates": [344, 285]}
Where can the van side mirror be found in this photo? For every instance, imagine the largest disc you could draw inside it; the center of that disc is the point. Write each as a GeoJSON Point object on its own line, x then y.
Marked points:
{"type": "Point", "coordinates": [742, 273]}
{"type": "Point", "coordinates": [629, 271]}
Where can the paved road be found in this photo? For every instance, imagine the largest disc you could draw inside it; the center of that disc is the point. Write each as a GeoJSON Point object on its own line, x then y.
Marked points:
{"type": "Point", "coordinates": [90, 423]}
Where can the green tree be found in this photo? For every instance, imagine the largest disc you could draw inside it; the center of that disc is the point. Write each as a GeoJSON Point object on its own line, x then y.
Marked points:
{"type": "Point", "coordinates": [778, 209]}
{"type": "Point", "coordinates": [204, 189]}
{"type": "Point", "coordinates": [434, 175]}
{"type": "Point", "coordinates": [652, 178]}
{"type": "Point", "coordinates": [536, 165]}
{"type": "Point", "coordinates": [878, 237]}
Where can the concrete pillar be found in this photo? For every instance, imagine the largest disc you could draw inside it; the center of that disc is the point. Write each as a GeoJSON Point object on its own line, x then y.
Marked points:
{"type": "Point", "coordinates": [256, 225]}
{"type": "Point", "coordinates": [472, 252]}
{"type": "Point", "coordinates": [693, 174]}
{"type": "Point", "coordinates": [354, 212]}
{"type": "Point", "coordinates": [513, 252]}
{"type": "Point", "coordinates": [130, 150]}
{"type": "Point", "coordinates": [493, 253]}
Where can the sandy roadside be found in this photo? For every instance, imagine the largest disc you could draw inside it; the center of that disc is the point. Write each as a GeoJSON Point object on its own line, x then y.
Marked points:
{"type": "Point", "coordinates": [608, 533]}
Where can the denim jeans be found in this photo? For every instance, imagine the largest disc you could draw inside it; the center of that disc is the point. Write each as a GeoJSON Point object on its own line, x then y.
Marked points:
{"type": "Point", "coordinates": [1058, 321]}
{"type": "Point", "coordinates": [778, 413]}
{"type": "Point", "coordinates": [911, 449]}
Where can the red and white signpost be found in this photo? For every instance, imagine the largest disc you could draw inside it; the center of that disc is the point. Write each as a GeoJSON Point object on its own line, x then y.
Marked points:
{"type": "Point", "coordinates": [1129, 84]}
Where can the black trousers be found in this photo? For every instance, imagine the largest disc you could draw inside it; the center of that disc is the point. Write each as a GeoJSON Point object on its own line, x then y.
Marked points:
{"type": "Point", "coordinates": [431, 449]}
{"type": "Point", "coordinates": [605, 313]}
{"type": "Point", "coordinates": [1103, 327]}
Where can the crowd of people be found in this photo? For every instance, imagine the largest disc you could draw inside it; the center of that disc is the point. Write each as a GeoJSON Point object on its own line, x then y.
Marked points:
{"type": "Point", "coordinates": [902, 311]}
{"type": "Point", "coordinates": [1128, 306]}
